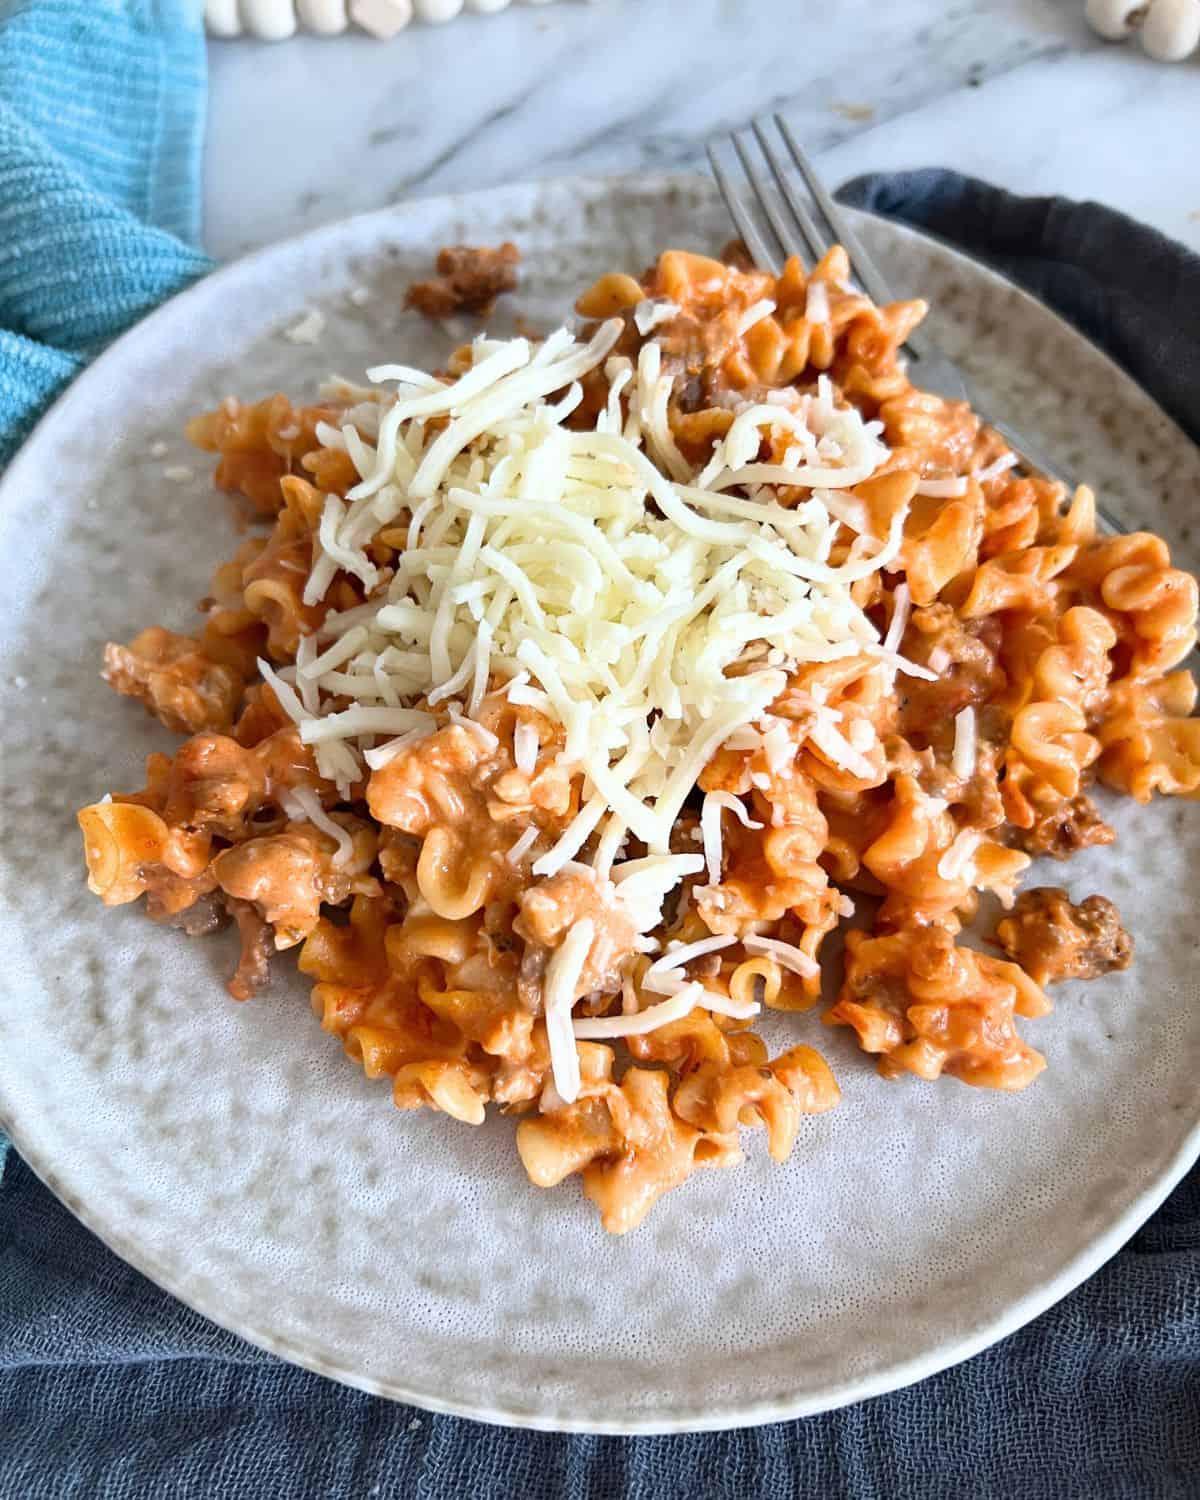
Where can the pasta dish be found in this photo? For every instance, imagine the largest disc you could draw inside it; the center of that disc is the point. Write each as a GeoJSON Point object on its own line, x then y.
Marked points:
{"type": "Point", "coordinates": [565, 702]}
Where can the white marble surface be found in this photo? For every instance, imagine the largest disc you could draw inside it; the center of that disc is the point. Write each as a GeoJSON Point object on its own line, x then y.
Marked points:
{"type": "Point", "coordinates": [1018, 91]}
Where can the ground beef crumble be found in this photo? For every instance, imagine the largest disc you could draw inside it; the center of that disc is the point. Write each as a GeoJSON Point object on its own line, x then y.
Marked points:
{"type": "Point", "coordinates": [469, 279]}
{"type": "Point", "coordinates": [1066, 829]}
{"type": "Point", "coordinates": [1051, 938]}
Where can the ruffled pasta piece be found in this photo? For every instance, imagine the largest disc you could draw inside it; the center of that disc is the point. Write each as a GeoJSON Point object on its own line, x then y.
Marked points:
{"type": "Point", "coordinates": [550, 909]}
{"type": "Point", "coordinates": [1030, 581]}
{"type": "Point", "coordinates": [130, 850]}
{"type": "Point", "coordinates": [625, 1140]}
{"type": "Point", "coordinates": [768, 873]}
{"type": "Point", "coordinates": [273, 590]}
{"type": "Point", "coordinates": [1149, 743]}
{"type": "Point", "coordinates": [180, 684]}
{"type": "Point", "coordinates": [460, 795]}
{"type": "Point", "coordinates": [491, 1017]}
{"type": "Point", "coordinates": [911, 857]}
{"type": "Point", "coordinates": [1061, 684]}
{"type": "Point", "coordinates": [351, 953]}
{"type": "Point", "coordinates": [392, 1035]}
{"type": "Point", "coordinates": [941, 540]}
{"type": "Point", "coordinates": [258, 444]}
{"type": "Point", "coordinates": [220, 786]}
{"type": "Point", "coordinates": [928, 1007]}
{"type": "Point", "coordinates": [697, 1040]}
{"type": "Point", "coordinates": [1153, 603]}
{"type": "Point", "coordinates": [718, 1100]}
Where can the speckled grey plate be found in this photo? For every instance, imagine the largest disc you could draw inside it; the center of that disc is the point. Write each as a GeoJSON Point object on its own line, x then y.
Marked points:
{"type": "Point", "coordinates": [232, 1152]}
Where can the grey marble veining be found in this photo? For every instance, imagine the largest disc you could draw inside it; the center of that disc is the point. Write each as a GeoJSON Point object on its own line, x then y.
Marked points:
{"type": "Point", "coordinates": [1018, 91]}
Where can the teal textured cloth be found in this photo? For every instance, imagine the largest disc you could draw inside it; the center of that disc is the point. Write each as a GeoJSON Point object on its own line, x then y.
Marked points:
{"type": "Point", "coordinates": [101, 133]}
{"type": "Point", "coordinates": [101, 136]}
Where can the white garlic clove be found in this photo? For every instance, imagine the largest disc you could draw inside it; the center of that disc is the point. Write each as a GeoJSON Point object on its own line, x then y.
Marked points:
{"type": "Point", "coordinates": [487, 7]}
{"type": "Point", "coordinates": [437, 11]}
{"type": "Point", "coordinates": [1171, 30]}
{"type": "Point", "coordinates": [1116, 19]}
{"type": "Point", "coordinates": [323, 17]}
{"type": "Point", "coordinates": [270, 20]}
{"type": "Point", "coordinates": [221, 18]}
{"type": "Point", "coordinates": [382, 18]}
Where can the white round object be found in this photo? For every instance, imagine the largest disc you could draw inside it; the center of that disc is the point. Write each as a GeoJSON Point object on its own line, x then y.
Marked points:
{"type": "Point", "coordinates": [437, 11]}
{"type": "Point", "coordinates": [1115, 19]}
{"type": "Point", "coordinates": [487, 7]}
{"type": "Point", "coordinates": [233, 1154]}
{"type": "Point", "coordinates": [269, 20]}
{"type": "Point", "coordinates": [382, 19]}
{"type": "Point", "coordinates": [222, 18]}
{"type": "Point", "coordinates": [323, 17]}
{"type": "Point", "coordinates": [1171, 30]}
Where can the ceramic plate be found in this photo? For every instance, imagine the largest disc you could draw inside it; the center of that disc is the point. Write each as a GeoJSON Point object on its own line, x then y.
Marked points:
{"type": "Point", "coordinates": [232, 1152]}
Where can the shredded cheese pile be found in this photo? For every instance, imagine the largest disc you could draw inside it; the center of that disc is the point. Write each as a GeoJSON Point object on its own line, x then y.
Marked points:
{"type": "Point", "coordinates": [649, 611]}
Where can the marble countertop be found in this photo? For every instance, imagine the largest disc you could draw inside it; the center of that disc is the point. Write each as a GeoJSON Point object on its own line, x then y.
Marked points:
{"type": "Point", "coordinates": [1017, 91]}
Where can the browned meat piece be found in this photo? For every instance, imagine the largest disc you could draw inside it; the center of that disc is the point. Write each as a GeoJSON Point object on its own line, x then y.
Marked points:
{"type": "Point", "coordinates": [1053, 939]}
{"type": "Point", "coordinates": [469, 279]}
{"type": "Point", "coordinates": [1063, 830]}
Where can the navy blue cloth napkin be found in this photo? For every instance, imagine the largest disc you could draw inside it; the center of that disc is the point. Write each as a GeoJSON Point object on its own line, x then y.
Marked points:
{"type": "Point", "coordinates": [111, 1390]}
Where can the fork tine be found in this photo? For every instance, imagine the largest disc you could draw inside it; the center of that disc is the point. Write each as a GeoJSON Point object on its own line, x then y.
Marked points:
{"type": "Point", "coordinates": [809, 232]}
{"type": "Point", "coordinates": [864, 267]}
{"type": "Point", "coordinates": [761, 190]}
{"type": "Point", "coordinates": [760, 253]}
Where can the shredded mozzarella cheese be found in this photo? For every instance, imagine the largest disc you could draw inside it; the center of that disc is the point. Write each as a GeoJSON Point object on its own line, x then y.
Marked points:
{"type": "Point", "coordinates": [308, 330]}
{"type": "Point", "coordinates": [671, 982]}
{"type": "Point", "coordinates": [303, 805]}
{"type": "Point", "coordinates": [997, 467]}
{"type": "Point", "coordinates": [710, 828]}
{"type": "Point", "coordinates": [942, 489]}
{"type": "Point", "coordinates": [558, 998]}
{"type": "Point", "coordinates": [522, 847]}
{"type": "Point", "coordinates": [939, 659]}
{"type": "Point", "coordinates": [953, 865]}
{"type": "Point", "coordinates": [901, 609]}
{"type": "Point", "coordinates": [648, 314]}
{"type": "Point", "coordinates": [816, 302]}
{"type": "Point", "coordinates": [683, 953]}
{"type": "Point", "coordinates": [681, 1003]}
{"type": "Point", "coordinates": [650, 618]}
{"type": "Point", "coordinates": [962, 760]}
{"type": "Point", "coordinates": [525, 747]}
{"type": "Point", "coordinates": [596, 1028]}
{"type": "Point", "coordinates": [755, 313]}
{"type": "Point", "coordinates": [284, 693]}
{"type": "Point", "coordinates": [786, 955]}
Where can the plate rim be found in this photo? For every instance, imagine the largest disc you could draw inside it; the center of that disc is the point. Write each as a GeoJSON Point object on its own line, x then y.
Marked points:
{"type": "Point", "coordinates": [311, 1356]}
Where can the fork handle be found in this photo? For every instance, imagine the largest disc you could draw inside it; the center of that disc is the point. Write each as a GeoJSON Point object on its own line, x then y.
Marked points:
{"type": "Point", "coordinates": [1030, 458]}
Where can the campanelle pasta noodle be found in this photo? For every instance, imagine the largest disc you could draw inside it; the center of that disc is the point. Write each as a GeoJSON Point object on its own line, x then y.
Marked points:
{"type": "Point", "coordinates": [567, 701]}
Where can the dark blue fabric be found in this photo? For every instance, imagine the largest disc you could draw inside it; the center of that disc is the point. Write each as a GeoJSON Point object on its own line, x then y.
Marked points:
{"type": "Point", "coordinates": [111, 1390]}
{"type": "Point", "coordinates": [1130, 289]}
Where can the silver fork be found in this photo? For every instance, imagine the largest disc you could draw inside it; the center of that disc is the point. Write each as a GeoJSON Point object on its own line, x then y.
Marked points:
{"type": "Point", "coordinates": [794, 227]}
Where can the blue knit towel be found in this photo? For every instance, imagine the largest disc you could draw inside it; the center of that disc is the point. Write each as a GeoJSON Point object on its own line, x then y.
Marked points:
{"type": "Point", "coordinates": [101, 132]}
